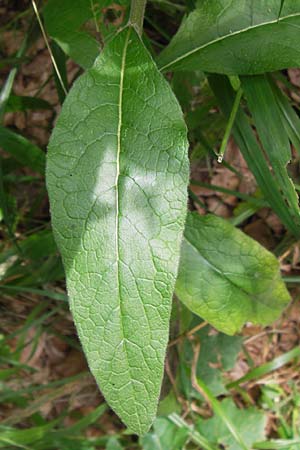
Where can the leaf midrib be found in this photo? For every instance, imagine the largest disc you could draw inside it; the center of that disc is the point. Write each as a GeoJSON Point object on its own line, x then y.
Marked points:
{"type": "Point", "coordinates": [117, 200]}
{"type": "Point", "coordinates": [219, 39]}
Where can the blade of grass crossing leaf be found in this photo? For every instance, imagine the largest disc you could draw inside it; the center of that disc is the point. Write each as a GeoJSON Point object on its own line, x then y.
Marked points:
{"type": "Point", "coordinates": [264, 369]}
{"type": "Point", "coordinates": [275, 140]}
{"type": "Point", "coordinates": [246, 140]}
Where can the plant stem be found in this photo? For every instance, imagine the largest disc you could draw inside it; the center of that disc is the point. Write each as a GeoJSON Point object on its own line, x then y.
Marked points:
{"type": "Point", "coordinates": [137, 14]}
{"type": "Point", "coordinates": [230, 124]}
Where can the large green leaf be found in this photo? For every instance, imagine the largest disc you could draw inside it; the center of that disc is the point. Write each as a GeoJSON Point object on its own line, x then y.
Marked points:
{"type": "Point", "coordinates": [65, 21]}
{"type": "Point", "coordinates": [117, 177]}
{"type": "Point", "coordinates": [226, 277]}
{"type": "Point", "coordinates": [236, 37]}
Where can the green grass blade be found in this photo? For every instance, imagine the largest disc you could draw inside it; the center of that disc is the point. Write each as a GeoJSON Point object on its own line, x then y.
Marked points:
{"type": "Point", "coordinates": [275, 140]}
{"type": "Point", "coordinates": [83, 423]}
{"type": "Point", "coordinates": [252, 200]}
{"type": "Point", "coordinates": [277, 444]}
{"type": "Point", "coordinates": [218, 410]}
{"type": "Point", "coordinates": [264, 369]}
{"type": "Point", "coordinates": [289, 117]}
{"type": "Point", "coordinates": [41, 292]}
{"type": "Point", "coordinates": [246, 140]}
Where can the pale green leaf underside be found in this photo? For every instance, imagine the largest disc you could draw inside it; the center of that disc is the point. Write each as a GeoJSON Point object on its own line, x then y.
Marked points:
{"type": "Point", "coordinates": [226, 277]}
{"type": "Point", "coordinates": [236, 37]}
{"type": "Point", "coordinates": [117, 176]}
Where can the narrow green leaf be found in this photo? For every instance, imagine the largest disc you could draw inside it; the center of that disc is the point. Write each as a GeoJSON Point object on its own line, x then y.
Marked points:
{"type": "Point", "coordinates": [22, 103]}
{"type": "Point", "coordinates": [226, 277]}
{"type": "Point", "coordinates": [61, 81]}
{"type": "Point", "coordinates": [117, 178]}
{"type": "Point", "coordinates": [23, 150]}
{"type": "Point", "coordinates": [11, 61]}
{"type": "Point", "coordinates": [276, 444]}
{"type": "Point", "coordinates": [267, 119]}
{"type": "Point", "coordinates": [252, 152]}
{"type": "Point", "coordinates": [236, 37]}
{"type": "Point", "coordinates": [23, 437]}
{"type": "Point", "coordinates": [267, 368]}
{"type": "Point", "coordinates": [289, 116]}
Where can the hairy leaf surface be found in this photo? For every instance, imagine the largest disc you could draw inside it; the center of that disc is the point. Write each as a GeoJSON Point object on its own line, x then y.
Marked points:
{"type": "Point", "coordinates": [226, 277]}
{"type": "Point", "coordinates": [117, 177]}
{"type": "Point", "coordinates": [236, 37]}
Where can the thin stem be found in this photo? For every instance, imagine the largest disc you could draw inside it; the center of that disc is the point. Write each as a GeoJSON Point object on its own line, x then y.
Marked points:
{"type": "Point", "coordinates": [48, 46]}
{"type": "Point", "coordinates": [230, 124]}
{"type": "Point", "coordinates": [137, 13]}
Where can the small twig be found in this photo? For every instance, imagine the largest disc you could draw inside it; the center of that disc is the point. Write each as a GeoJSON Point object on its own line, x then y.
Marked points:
{"type": "Point", "coordinates": [195, 384]}
{"type": "Point", "coordinates": [187, 334]}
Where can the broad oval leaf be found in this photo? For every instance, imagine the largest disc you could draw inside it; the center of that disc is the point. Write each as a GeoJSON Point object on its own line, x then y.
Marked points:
{"type": "Point", "coordinates": [226, 277]}
{"type": "Point", "coordinates": [117, 176]}
{"type": "Point", "coordinates": [236, 37]}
